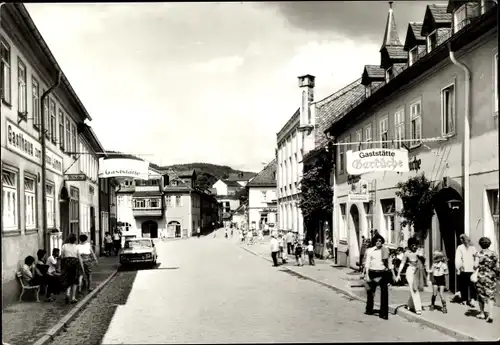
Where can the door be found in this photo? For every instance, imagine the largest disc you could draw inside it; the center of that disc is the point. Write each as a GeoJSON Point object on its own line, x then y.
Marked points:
{"type": "Point", "coordinates": [92, 226]}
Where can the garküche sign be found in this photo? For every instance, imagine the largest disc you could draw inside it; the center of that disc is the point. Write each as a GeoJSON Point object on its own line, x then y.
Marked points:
{"type": "Point", "coordinates": [25, 145]}
{"type": "Point", "coordinates": [364, 161]}
{"type": "Point", "coordinates": [123, 167]}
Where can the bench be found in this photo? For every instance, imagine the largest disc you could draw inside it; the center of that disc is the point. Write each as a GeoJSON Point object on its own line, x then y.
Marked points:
{"type": "Point", "coordinates": [25, 288]}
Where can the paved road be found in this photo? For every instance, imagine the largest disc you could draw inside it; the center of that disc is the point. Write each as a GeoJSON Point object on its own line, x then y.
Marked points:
{"type": "Point", "coordinates": [209, 290]}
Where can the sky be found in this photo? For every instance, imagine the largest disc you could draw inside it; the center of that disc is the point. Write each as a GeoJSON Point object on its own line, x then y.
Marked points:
{"type": "Point", "coordinates": [209, 82]}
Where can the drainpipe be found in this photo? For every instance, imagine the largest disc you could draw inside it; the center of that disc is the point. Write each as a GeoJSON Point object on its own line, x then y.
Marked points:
{"type": "Point", "coordinates": [43, 144]}
{"type": "Point", "coordinates": [466, 142]}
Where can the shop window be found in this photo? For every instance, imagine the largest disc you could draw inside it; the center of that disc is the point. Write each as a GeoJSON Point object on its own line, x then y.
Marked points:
{"type": "Point", "coordinates": [9, 200]}
{"type": "Point", "coordinates": [389, 211]}
{"type": "Point", "coordinates": [30, 203]}
{"type": "Point", "coordinates": [49, 196]}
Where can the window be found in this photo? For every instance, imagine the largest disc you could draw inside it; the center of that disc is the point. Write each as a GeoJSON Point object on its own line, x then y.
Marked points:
{"type": "Point", "coordinates": [68, 136]}
{"type": "Point", "coordinates": [30, 202]}
{"type": "Point", "coordinates": [341, 156]}
{"type": "Point", "coordinates": [22, 101]}
{"type": "Point", "coordinates": [389, 210]}
{"type": "Point", "coordinates": [53, 128]}
{"type": "Point", "coordinates": [139, 203]}
{"type": "Point", "coordinates": [9, 200]}
{"type": "Point", "coordinates": [412, 55]}
{"type": "Point", "coordinates": [359, 139]}
{"type": "Point", "coordinates": [35, 102]}
{"type": "Point", "coordinates": [74, 210]}
{"type": "Point", "coordinates": [343, 223]}
{"type": "Point", "coordinates": [448, 110]}
{"type": "Point", "coordinates": [169, 201]}
{"type": "Point", "coordinates": [5, 70]}
{"type": "Point", "coordinates": [51, 214]}
{"type": "Point", "coordinates": [369, 215]}
{"type": "Point", "coordinates": [347, 140]}
{"type": "Point", "coordinates": [495, 88]}
{"type": "Point", "coordinates": [368, 136]}
{"type": "Point", "coordinates": [415, 123]}
{"type": "Point", "coordinates": [462, 16]}
{"type": "Point", "coordinates": [384, 133]}
{"type": "Point", "coordinates": [61, 129]}
{"type": "Point", "coordinates": [155, 203]}
{"type": "Point", "coordinates": [368, 90]}
{"type": "Point", "coordinates": [399, 128]}
{"type": "Point", "coordinates": [389, 74]}
{"type": "Point", "coordinates": [73, 138]}
{"type": "Point", "coordinates": [46, 116]}
{"type": "Point", "coordinates": [264, 195]}
{"type": "Point", "coordinates": [178, 201]}
{"type": "Point", "coordinates": [494, 204]}
{"type": "Point", "coordinates": [431, 41]}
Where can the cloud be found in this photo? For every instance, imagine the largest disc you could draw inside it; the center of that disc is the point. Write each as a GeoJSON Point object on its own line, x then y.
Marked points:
{"type": "Point", "coordinates": [223, 64]}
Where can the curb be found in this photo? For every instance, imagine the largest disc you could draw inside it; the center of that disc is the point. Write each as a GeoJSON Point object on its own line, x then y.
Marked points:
{"type": "Point", "coordinates": [63, 323]}
{"type": "Point", "coordinates": [408, 315]}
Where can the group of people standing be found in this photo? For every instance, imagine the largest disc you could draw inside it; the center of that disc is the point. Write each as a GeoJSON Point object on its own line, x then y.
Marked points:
{"type": "Point", "coordinates": [477, 272]}
{"type": "Point", "coordinates": [68, 268]}
{"type": "Point", "coordinates": [282, 245]}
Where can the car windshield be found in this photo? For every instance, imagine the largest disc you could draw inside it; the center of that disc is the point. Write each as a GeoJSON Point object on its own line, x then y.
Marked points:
{"type": "Point", "coordinates": [138, 244]}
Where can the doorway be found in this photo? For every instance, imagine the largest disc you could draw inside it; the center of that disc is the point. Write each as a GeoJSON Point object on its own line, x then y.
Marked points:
{"type": "Point", "coordinates": [149, 229]}
{"type": "Point", "coordinates": [176, 227]}
{"type": "Point", "coordinates": [354, 212]}
{"type": "Point", "coordinates": [448, 205]}
{"type": "Point", "coordinates": [64, 212]}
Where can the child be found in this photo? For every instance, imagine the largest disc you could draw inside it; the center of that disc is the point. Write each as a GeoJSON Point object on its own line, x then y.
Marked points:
{"type": "Point", "coordinates": [298, 252]}
{"type": "Point", "coordinates": [310, 253]}
{"type": "Point", "coordinates": [439, 271]}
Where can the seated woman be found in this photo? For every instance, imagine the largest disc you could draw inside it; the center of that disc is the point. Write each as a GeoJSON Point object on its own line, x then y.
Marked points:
{"type": "Point", "coordinates": [41, 267]}
{"type": "Point", "coordinates": [53, 275]}
{"type": "Point", "coordinates": [28, 272]}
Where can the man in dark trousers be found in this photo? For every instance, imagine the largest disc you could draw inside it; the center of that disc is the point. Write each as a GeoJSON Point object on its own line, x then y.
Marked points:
{"type": "Point", "coordinates": [289, 242]}
{"type": "Point", "coordinates": [377, 273]}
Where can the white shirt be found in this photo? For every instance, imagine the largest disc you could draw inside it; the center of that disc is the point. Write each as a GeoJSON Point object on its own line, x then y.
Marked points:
{"type": "Point", "coordinates": [52, 262]}
{"type": "Point", "coordinates": [27, 275]}
{"type": "Point", "coordinates": [374, 259]}
{"type": "Point", "coordinates": [274, 245]}
{"type": "Point", "coordinates": [69, 250]}
{"type": "Point", "coordinates": [310, 248]}
{"type": "Point", "coordinates": [464, 257]}
{"type": "Point", "coordinates": [116, 237]}
{"type": "Point", "coordinates": [85, 248]}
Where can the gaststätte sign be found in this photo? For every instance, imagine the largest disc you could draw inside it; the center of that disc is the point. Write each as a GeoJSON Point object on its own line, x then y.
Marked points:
{"type": "Point", "coordinates": [360, 162]}
{"type": "Point", "coordinates": [123, 167]}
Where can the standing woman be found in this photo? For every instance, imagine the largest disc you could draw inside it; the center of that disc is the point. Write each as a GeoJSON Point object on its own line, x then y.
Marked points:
{"type": "Point", "coordinates": [486, 262]}
{"type": "Point", "coordinates": [88, 258]}
{"type": "Point", "coordinates": [414, 275]}
{"type": "Point", "coordinates": [71, 266]}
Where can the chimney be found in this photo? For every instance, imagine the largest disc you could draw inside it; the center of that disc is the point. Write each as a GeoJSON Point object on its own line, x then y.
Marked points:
{"type": "Point", "coordinates": [306, 85]}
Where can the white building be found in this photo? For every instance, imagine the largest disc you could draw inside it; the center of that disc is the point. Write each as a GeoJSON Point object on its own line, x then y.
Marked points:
{"type": "Point", "coordinates": [262, 201]}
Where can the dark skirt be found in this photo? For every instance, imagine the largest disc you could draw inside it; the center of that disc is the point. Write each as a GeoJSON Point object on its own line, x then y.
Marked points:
{"type": "Point", "coordinates": [87, 263]}
{"type": "Point", "coordinates": [71, 271]}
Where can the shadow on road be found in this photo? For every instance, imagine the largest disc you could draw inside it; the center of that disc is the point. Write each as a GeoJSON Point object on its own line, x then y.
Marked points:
{"type": "Point", "coordinates": [137, 267]}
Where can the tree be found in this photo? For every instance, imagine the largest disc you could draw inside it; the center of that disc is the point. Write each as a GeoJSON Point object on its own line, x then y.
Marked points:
{"type": "Point", "coordinates": [242, 195]}
{"type": "Point", "coordinates": [417, 194]}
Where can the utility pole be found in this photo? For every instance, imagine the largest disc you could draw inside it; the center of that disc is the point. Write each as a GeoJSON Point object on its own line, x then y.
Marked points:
{"type": "Point", "coordinates": [43, 144]}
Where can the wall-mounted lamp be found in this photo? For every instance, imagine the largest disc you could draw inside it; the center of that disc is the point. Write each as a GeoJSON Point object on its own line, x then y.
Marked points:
{"type": "Point", "coordinates": [454, 204]}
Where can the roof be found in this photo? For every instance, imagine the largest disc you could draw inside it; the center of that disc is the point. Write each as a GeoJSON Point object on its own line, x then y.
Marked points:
{"type": "Point", "coordinates": [240, 209]}
{"type": "Point", "coordinates": [396, 52]}
{"type": "Point", "coordinates": [332, 106]}
{"type": "Point", "coordinates": [417, 28]}
{"type": "Point", "coordinates": [265, 178]}
{"type": "Point", "coordinates": [439, 12]}
{"type": "Point", "coordinates": [146, 194]}
{"type": "Point", "coordinates": [374, 71]}
{"type": "Point", "coordinates": [294, 117]}
{"type": "Point", "coordinates": [413, 35]}
{"type": "Point", "coordinates": [391, 37]}
{"type": "Point", "coordinates": [185, 173]}
{"type": "Point", "coordinates": [242, 176]}
{"type": "Point", "coordinates": [231, 183]}
{"type": "Point", "coordinates": [435, 14]}
{"type": "Point", "coordinates": [212, 190]}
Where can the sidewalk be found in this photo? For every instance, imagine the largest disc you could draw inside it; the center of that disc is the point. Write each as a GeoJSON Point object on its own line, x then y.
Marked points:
{"type": "Point", "coordinates": [460, 322]}
{"type": "Point", "coordinates": [25, 322]}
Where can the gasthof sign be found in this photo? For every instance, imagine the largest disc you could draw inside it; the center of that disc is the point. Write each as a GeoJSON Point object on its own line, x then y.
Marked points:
{"type": "Point", "coordinates": [20, 142]}
{"type": "Point", "coordinates": [360, 162]}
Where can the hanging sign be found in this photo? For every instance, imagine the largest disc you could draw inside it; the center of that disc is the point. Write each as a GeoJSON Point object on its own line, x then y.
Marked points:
{"type": "Point", "coordinates": [123, 167]}
{"type": "Point", "coordinates": [359, 192]}
{"type": "Point", "coordinates": [360, 162]}
{"type": "Point", "coordinates": [75, 177]}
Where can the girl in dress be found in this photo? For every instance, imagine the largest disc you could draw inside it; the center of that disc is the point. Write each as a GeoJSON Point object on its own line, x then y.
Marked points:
{"type": "Point", "coordinates": [439, 272]}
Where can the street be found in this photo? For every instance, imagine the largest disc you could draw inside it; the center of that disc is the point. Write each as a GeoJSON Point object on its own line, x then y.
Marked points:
{"type": "Point", "coordinates": [209, 290]}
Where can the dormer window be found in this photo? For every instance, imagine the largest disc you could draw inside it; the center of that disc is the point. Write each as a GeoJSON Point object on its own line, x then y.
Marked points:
{"type": "Point", "coordinates": [412, 55]}
{"type": "Point", "coordinates": [431, 41]}
{"type": "Point", "coordinates": [389, 74]}
{"type": "Point", "coordinates": [368, 90]}
{"type": "Point", "coordinates": [463, 14]}
{"type": "Point", "coordinates": [173, 183]}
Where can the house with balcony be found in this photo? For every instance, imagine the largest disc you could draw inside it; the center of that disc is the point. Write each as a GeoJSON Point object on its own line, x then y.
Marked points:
{"type": "Point", "coordinates": [440, 105]}
{"type": "Point", "coordinates": [262, 200]}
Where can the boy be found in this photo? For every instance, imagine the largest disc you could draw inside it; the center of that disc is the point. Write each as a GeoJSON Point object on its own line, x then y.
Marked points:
{"type": "Point", "coordinates": [310, 253]}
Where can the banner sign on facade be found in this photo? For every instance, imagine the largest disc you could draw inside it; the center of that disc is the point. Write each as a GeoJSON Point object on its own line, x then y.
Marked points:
{"type": "Point", "coordinates": [123, 167]}
{"type": "Point", "coordinates": [360, 162]}
{"type": "Point", "coordinates": [23, 144]}
{"type": "Point", "coordinates": [359, 192]}
{"type": "Point", "coordinates": [75, 177]}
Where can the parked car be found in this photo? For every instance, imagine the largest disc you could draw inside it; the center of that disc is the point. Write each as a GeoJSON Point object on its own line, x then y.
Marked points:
{"type": "Point", "coordinates": [138, 251]}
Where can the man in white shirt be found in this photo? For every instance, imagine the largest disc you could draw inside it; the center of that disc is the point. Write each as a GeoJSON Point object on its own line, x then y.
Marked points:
{"type": "Point", "coordinates": [464, 264]}
{"type": "Point", "coordinates": [377, 271]}
{"type": "Point", "coordinates": [274, 249]}
{"type": "Point", "coordinates": [289, 242]}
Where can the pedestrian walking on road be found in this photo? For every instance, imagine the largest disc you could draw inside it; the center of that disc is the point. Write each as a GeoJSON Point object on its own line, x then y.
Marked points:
{"type": "Point", "coordinates": [298, 253]}
{"type": "Point", "coordinates": [439, 271]}
{"type": "Point", "coordinates": [117, 241]}
{"type": "Point", "coordinates": [108, 244]}
{"type": "Point", "coordinates": [274, 250]}
{"type": "Point", "coordinates": [377, 274]}
{"type": "Point", "coordinates": [488, 270]}
{"type": "Point", "coordinates": [464, 264]}
{"type": "Point", "coordinates": [72, 267]}
{"type": "Point", "coordinates": [289, 242]}
{"type": "Point", "coordinates": [88, 259]}
{"type": "Point", "coordinates": [310, 253]}
{"type": "Point", "coordinates": [415, 275]}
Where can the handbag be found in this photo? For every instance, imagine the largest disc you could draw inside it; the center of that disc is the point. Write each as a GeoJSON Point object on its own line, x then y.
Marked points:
{"type": "Point", "coordinates": [473, 277]}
